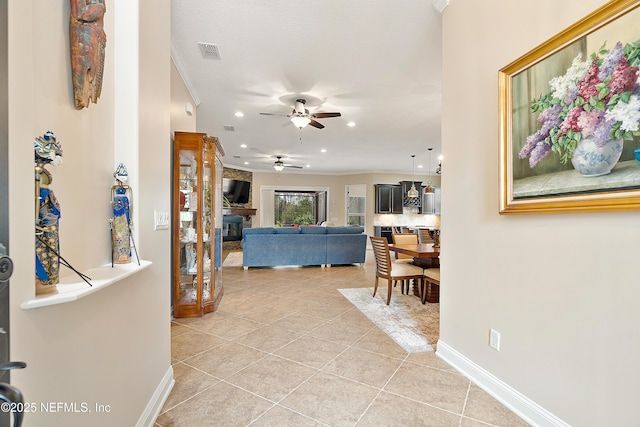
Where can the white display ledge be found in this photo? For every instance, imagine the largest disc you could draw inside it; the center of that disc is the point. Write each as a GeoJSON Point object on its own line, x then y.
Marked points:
{"type": "Point", "coordinates": [72, 287]}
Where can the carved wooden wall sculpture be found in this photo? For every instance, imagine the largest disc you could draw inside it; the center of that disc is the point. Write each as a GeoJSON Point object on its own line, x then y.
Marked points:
{"type": "Point", "coordinates": [87, 42]}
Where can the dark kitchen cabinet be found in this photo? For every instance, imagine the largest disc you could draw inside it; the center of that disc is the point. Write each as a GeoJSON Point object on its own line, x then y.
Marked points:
{"type": "Point", "coordinates": [388, 199]}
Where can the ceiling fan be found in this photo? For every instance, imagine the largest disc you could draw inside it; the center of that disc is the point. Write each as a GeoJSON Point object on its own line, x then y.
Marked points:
{"type": "Point", "coordinates": [279, 165]}
{"type": "Point", "coordinates": [301, 117]}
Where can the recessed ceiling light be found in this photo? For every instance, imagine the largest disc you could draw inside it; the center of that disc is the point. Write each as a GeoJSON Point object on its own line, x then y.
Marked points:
{"type": "Point", "coordinates": [243, 145]}
{"type": "Point", "coordinates": [351, 124]}
{"type": "Point", "coordinates": [308, 166]}
{"type": "Point", "coordinates": [323, 150]}
{"type": "Point", "coordinates": [420, 166]}
{"type": "Point", "coordinates": [239, 114]}
{"type": "Point", "coordinates": [246, 163]}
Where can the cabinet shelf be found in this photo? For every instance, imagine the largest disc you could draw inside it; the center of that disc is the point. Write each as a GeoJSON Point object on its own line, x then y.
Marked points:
{"type": "Point", "coordinates": [72, 288]}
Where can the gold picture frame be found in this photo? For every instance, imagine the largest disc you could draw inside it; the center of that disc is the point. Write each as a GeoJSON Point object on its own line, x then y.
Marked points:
{"type": "Point", "coordinates": [550, 185]}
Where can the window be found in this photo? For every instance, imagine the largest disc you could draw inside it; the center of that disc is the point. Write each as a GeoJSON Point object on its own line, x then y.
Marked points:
{"type": "Point", "coordinates": [299, 207]}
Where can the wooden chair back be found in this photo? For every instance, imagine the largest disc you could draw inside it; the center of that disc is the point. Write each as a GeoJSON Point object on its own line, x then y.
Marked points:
{"type": "Point", "coordinates": [404, 239]}
{"type": "Point", "coordinates": [380, 247]}
{"type": "Point", "coordinates": [424, 235]}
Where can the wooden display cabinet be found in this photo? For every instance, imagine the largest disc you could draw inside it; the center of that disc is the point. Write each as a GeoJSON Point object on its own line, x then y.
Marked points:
{"type": "Point", "coordinates": [197, 224]}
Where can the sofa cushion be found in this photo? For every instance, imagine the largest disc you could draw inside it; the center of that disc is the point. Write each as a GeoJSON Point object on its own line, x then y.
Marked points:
{"type": "Point", "coordinates": [305, 229]}
{"type": "Point", "coordinates": [258, 230]}
{"type": "Point", "coordinates": [287, 230]}
{"type": "Point", "coordinates": [345, 230]}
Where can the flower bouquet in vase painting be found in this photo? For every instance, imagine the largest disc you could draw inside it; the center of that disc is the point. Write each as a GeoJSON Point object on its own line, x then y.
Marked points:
{"type": "Point", "coordinates": [590, 111]}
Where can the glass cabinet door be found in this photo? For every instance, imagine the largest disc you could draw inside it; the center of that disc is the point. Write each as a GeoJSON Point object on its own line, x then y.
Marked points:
{"type": "Point", "coordinates": [188, 244]}
{"type": "Point", "coordinates": [217, 218]}
{"type": "Point", "coordinates": [207, 222]}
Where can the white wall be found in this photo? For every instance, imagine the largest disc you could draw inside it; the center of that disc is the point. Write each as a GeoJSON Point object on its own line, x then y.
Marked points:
{"type": "Point", "coordinates": [180, 119]}
{"type": "Point", "coordinates": [111, 347]}
{"type": "Point", "coordinates": [562, 289]}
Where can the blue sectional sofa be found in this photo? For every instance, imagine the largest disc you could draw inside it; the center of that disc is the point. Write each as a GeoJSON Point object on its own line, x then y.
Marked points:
{"type": "Point", "coordinates": [305, 245]}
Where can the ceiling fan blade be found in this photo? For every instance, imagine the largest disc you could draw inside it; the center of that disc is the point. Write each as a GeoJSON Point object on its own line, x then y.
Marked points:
{"type": "Point", "coordinates": [316, 124]}
{"type": "Point", "coordinates": [293, 166]}
{"type": "Point", "coordinates": [276, 114]}
{"type": "Point", "coordinates": [325, 115]}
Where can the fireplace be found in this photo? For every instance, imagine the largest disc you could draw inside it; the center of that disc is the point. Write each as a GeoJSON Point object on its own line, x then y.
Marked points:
{"type": "Point", "coordinates": [232, 228]}
{"type": "Point", "coordinates": [234, 219]}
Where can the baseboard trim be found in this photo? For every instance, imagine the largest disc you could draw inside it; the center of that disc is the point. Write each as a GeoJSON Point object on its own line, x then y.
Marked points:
{"type": "Point", "coordinates": [151, 412]}
{"type": "Point", "coordinates": [524, 407]}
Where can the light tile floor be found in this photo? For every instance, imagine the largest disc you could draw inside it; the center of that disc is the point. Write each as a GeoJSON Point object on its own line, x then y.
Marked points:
{"type": "Point", "coordinates": [285, 348]}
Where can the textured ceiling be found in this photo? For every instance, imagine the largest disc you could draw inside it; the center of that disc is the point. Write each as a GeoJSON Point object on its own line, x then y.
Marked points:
{"type": "Point", "coordinates": [376, 62]}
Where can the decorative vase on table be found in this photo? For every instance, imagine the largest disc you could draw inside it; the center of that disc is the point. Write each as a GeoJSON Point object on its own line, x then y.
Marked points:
{"type": "Point", "coordinates": [591, 160]}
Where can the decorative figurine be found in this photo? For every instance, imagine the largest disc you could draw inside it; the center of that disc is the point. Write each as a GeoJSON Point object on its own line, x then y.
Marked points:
{"type": "Point", "coordinates": [121, 237]}
{"type": "Point", "coordinates": [47, 151]}
{"type": "Point", "coordinates": [87, 41]}
{"type": "Point", "coordinates": [48, 259]}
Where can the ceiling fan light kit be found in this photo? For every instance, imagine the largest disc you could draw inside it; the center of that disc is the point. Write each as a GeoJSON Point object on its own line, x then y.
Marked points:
{"type": "Point", "coordinates": [301, 117]}
{"type": "Point", "coordinates": [300, 121]}
{"type": "Point", "coordinates": [279, 165]}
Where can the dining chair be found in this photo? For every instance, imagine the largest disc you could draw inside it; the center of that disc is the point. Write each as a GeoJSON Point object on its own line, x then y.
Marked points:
{"type": "Point", "coordinates": [430, 286]}
{"type": "Point", "coordinates": [424, 235]}
{"type": "Point", "coordinates": [392, 271]}
{"type": "Point", "coordinates": [404, 239]}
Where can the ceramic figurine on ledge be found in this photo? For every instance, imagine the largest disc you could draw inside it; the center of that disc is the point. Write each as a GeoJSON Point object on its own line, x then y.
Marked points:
{"type": "Point", "coordinates": [47, 151]}
{"type": "Point", "coordinates": [121, 237]}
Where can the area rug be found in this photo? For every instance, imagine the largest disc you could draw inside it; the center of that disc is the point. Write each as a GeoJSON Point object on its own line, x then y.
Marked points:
{"type": "Point", "coordinates": [414, 326]}
{"type": "Point", "coordinates": [233, 259]}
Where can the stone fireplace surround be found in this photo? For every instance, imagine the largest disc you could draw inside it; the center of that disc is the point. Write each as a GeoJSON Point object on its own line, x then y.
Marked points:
{"type": "Point", "coordinates": [244, 210]}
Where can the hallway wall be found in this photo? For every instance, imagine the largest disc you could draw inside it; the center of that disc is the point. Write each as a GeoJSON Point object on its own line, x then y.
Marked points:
{"type": "Point", "coordinates": [562, 289]}
{"type": "Point", "coordinates": [111, 347]}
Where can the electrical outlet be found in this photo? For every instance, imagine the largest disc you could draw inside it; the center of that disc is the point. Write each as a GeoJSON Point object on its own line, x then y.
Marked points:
{"type": "Point", "coordinates": [160, 220]}
{"type": "Point", "coordinates": [494, 339]}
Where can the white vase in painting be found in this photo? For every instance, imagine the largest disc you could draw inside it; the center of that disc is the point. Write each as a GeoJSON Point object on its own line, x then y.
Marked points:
{"type": "Point", "coordinates": [591, 160]}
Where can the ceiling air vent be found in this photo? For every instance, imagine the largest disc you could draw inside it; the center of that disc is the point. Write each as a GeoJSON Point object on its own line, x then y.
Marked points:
{"type": "Point", "coordinates": [229, 128]}
{"type": "Point", "coordinates": [209, 50]}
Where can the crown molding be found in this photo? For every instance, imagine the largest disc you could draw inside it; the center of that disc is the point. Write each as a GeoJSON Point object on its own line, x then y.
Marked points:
{"type": "Point", "coordinates": [175, 57]}
{"type": "Point", "coordinates": [440, 5]}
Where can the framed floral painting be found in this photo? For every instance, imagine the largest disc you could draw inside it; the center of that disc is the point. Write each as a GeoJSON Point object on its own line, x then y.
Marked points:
{"type": "Point", "coordinates": [570, 118]}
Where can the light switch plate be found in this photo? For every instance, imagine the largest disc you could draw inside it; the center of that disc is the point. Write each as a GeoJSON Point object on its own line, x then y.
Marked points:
{"type": "Point", "coordinates": [494, 339]}
{"type": "Point", "coordinates": [160, 220]}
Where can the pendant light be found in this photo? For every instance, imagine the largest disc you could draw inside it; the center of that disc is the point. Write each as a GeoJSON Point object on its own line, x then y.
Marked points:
{"type": "Point", "coordinates": [413, 193]}
{"type": "Point", "coordinates": [429, 188]}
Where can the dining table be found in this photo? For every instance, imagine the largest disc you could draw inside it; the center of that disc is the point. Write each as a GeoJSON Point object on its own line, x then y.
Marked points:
{"type": "Point", "coordinates": [424, 255]}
